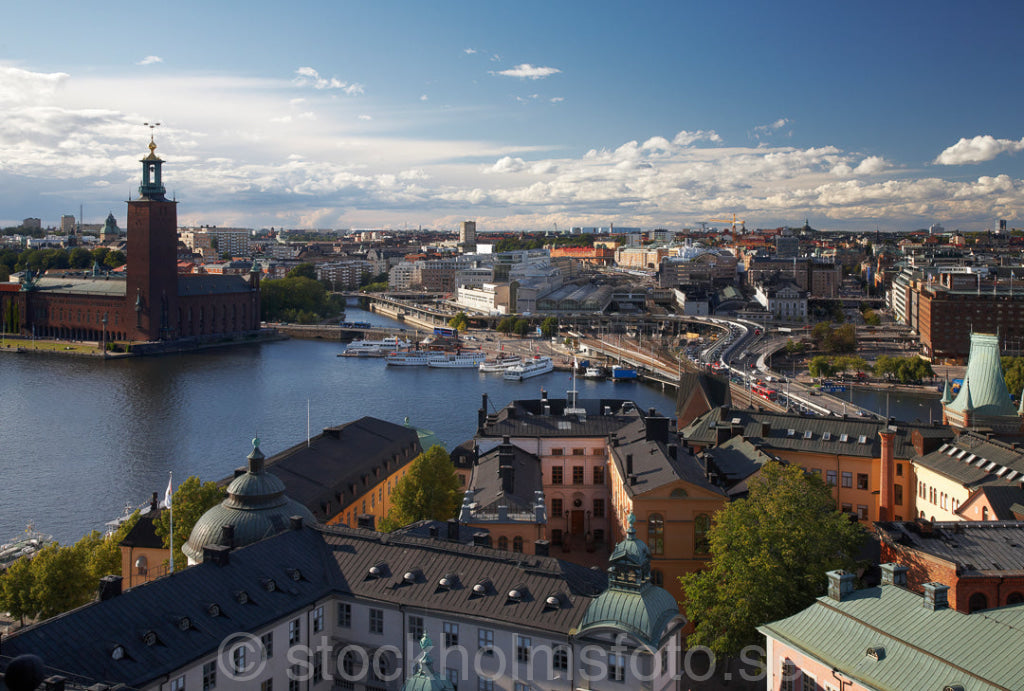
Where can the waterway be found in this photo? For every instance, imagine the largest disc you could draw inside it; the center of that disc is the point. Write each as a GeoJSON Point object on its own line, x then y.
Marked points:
{"type": "Point", "coordinates": [902, 406]}
{"type": "Point", "coordinates": [80, 438]}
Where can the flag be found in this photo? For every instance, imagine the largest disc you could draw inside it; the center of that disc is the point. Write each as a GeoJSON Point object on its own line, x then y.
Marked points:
{"type": "Point", "coordinates": [168, 493]}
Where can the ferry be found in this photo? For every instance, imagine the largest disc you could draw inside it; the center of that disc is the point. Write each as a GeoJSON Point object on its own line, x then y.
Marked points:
{"type": "Point", "coordinates": [594, 373]}
{"type": "Point", "coordinates": [500, 363]}
{"type": "Point", "coordinates": [408, 358]}
{"type": "Point", "coordinates": [364, 348]}
{"type": "Point", "coordinates": [458, 360]}
{"type": "Point", "coordinates": [540, 364]}
{"type": "Point", "coordinates": [25, 545]}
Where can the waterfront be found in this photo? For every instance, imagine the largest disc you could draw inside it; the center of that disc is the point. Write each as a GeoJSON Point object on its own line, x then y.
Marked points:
{"type": "Point", "coordinates": [80, 437]}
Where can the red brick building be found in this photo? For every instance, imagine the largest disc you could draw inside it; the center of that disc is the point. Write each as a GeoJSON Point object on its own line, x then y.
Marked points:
{"type": "Point", "coordinates": [151, 301]}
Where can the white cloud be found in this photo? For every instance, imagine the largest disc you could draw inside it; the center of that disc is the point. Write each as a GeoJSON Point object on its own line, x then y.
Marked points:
{"type": "Point", "coordinates": [557, 99]}
{"type": "Point", "coordinates": [469, 51]}
{"type": "Point", "coordinates": [424, 97]}
{"type": "Point", "coordinates": [977, 150]}
{"type": "Point", "coordinates": [307, 76]}
{"type": "Point", "coordinates": [872, 165]}
{"type": "Point", "coordinates": [507, 164]}
{"type": "Point", "coordinates": [528, 71]}
{"type": "Point", "coordinates": [772, 127]}
{"type": "Point", "coordinates": [366, 117]}
{"type": "Point", "coordinates": [21, 86]}
{"type": "Point", "coordinates": [684, 138]}
{"type": "Point", "coordinates": [150, 60]}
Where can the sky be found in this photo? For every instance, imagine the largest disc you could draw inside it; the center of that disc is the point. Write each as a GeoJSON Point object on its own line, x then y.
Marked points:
{"type": "Point", "coordinates": [518, 115]}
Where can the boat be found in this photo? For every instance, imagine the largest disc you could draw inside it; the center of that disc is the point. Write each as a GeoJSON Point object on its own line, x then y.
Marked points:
{"type": "Point", "coordinates": [365, 348]}
{"type": "Point", "coordinates": [540, 364]}
{"type": "Point", "coordinates": [593, 373]}
{"type": "Point", "coordinates": [458, 360]}
{"type": "Point", "coordinates": [621, 373]}
{"type": "Point", "coordinates": [500, 363]}
{"type": "Point", "coordinates": [27, 544]}
{"type": "Point", "coordinates": [408, 358]}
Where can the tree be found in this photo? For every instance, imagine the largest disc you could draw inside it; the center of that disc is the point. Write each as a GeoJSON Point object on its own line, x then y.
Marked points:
{"type": "Point", "coordinates": [821, 366]}
{"type": "Point", "coordinates": [57, 582]}
{"type": "Point", "coordinates": [430, 490]}
{"type": "Point", "coordinates": [305, 270]}
{"type": "Point", "coordinates": [769, 554]}
{"type": "Point", "coordinates": [80, 258]}
{"type": "Point", "coordinates": [871, 318]}
{"type": "Point", "coordinates": [460, 322]}
{"type": "Point", "coordinates": [1013, 373]}
{"type": "Point", "coordinates": [506, 325]}
{"type": "Point", "coordinates": [114, 259]}
{"type": "Point", "coordinates": [189, 501]}
{"type": "Point", "coordinates": [16, 590]}
{"type": "Point", "coordinates": [522, 327]}
{"type": "Point", "coordinates": [549, 327]}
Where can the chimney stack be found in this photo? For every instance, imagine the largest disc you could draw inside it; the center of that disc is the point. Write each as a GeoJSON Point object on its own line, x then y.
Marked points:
{"type": "Point", "coordinates": [110, 587]}
{"type": "Point", "coordinates": [541, 548]}
{"type": "Point", "coordinates": [894, 574]}
{"type": "Point", "coordinates": [227, 535]}
{"type": "Point", "coordinates": [154, 502]}
{"type": "Point", "coordinates": [840, 584]}
{"type": "Point", "coordinates": [216, 554]}
{"type": "Point", "coordinates": [629, 464]}
{"type": "Point", "coordinates": [936, 596]}
{"type": "Point", "coordinates": [296, 522]}
{"type": "Point", "coordinates": [453, 531]}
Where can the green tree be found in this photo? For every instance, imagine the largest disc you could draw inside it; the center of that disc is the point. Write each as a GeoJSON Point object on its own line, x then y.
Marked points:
{"type": "Point", "coordinates": [1013, 373]}
{"type": "Point", "coordinates": [114, 259]}
{"type": "Point", "coordinates": [506, 325]}
{"type": "Point", "coordinates": [769, 554]}
{"type": "Point", "coordinates": [522, 327]}
{"type": "Point", "coordinates": [16, 596]}
{"type": "Point", "coordinates": [57, 580]}
{"type": "Point", "coordinates": [549, 327]}
{"type": "Point", "coordinates": [821, 366]}
{"type": "Point", "coordinates": [80, 258]}
{"type": "Point", "coordinates": [305, 270]}
{"type": "Point", "coordinates": [430, 490]}
{"type": "Point", "coordinates": [460, 321]}
{"type": "Point", "coordinates": [286, 298]}
{"type": "Point", "coordinates": [190, 500]}
{"type": "Point", "coordinates": [871, 318]}
{"type": "Point", "coordinates": [794, 347]}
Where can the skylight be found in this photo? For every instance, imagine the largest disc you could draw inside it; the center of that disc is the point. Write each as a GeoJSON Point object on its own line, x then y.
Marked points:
{"type": "Point", "coordinates": [970, 459]}
{"type": "Point", "coordinates": [862, 439]}
{"type": "Point", "coordinates": [808, 434]}
{"type": "Point", "coordinates": [791, 432]}
{"type": "Point", "coordinates": [826, 436]}
{"type": "Point", "coordinates": [952, 450]}
{"type": "Point", "coordinates": [1013, 474]}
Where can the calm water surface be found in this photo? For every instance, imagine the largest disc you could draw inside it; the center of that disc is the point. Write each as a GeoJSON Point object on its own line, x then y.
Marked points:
{"type": "Point", "coordinates": [80, 438]}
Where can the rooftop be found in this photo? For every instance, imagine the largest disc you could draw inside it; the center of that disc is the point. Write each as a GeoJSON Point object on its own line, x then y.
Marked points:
{"type": "Point", "coordinates": [974, 547]}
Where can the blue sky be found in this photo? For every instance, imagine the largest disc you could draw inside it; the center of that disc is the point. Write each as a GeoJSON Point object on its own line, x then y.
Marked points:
{"type": "Point", "coordinates": [520, 115]}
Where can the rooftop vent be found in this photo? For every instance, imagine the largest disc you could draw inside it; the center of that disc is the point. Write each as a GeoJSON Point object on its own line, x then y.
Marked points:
{"type": "Point", "coordinates": [375, 571]}
{"type": "Point", "coordinates": [294, 574]}
{"type": "Point", "coordinates": [269, 585]}
{"type": "Point", "coordinates": [242, 597]}
{"type": "Point", "coordinates": [213, 609]}
{"type": "Point", "coordinates": [482, 588]}
{"type": "Point", "coordinates": [184, 623]}
{"type": "Point", "coordinates": [515, 595]}
{"type": "Point", "coordinates": [117, 653]}
{"type": "Point", "coordinates": [412, 576]}
{"type": "Point", "coordinates": [876, 652]}
{"type": "Point", "coordinates": [952, 450]}
{"type": "Point", "coordinates": [150, 638]}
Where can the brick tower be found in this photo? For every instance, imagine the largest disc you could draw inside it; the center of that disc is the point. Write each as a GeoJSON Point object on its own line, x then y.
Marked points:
{"type": "Point", "coordinates": [152, 271]}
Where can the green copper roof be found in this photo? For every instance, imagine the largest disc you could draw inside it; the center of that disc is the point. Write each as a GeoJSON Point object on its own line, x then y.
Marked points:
{"type": "Point", "coordinates": [425, 679]}
{"type": "Point", "coordinates": [947, 394]}
{"type": "Point", "coordinates": [984, 391]}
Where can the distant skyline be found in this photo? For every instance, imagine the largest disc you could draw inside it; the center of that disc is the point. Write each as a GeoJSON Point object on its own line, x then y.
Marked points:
{"type": "Point", "coordinates": [520, 116]}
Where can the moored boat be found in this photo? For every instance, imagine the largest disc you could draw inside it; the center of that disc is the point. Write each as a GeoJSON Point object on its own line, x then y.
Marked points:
{"type": "Point", "coordinates": [366, 348]}
{"type": "Point", "coordinates": [459, 360]}
{"type": "Point", "coordinates": [594, 373]}
{"type": "Point", "coordinates": [500, 363]}
{"type": "Point", "coordinates": [408, 358]}
{"type": "Point", "coordinates": [540, 364]}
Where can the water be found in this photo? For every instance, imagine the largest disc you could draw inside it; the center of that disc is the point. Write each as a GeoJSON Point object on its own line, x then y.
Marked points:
{"type": "Point", "coordinates": [80, 438]}
{"type": "Point", "coordinates": [902, 406]}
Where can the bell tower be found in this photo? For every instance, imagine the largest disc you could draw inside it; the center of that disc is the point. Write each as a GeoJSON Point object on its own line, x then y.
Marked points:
{"type": "Point", "coordinates": [152, 270]}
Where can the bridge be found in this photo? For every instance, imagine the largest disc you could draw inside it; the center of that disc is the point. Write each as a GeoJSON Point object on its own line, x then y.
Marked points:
{"type": "Point", "coordinates": [333, 332]}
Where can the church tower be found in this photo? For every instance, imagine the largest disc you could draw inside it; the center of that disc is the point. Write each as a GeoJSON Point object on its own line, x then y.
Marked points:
{"type": "Point", "coordinates": [152, 271]}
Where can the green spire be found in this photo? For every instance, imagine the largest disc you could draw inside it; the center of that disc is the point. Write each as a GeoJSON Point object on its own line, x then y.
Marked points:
{"type": "Point", "coordinates": [947, 394]}
{"type": "Point", "coordinates": [1020, 410]}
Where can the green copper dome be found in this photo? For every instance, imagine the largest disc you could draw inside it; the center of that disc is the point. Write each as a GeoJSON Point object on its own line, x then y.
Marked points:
{"type": "Point", "coordinates": [256, 507]}
{"type": "Point", "coordinates": [425, 679]}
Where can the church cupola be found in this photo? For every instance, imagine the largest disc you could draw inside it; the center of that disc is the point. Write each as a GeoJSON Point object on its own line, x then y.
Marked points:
{"type": "Point", "coordinates": [152, 186]}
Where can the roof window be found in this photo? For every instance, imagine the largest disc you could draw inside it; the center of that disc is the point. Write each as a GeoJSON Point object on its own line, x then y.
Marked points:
{"type": "Point", "coordinates": [826, 436]}
{"type": "Point", "coordinates": [862, 439]}
{"type": "Point", "coordinates": [952, 450]}
{"type": "Point", "coordinates": [790, 432]}
{"type": "Point", "coordinates": [808, 434]}
{"type": "Point", "coordinates": [844, 437]}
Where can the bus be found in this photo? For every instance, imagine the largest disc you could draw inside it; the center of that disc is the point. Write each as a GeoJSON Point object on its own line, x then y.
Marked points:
{"type": "Point", "coordinates": [446, 331]}
{"type": "Point", "coordinates": [762, 390]}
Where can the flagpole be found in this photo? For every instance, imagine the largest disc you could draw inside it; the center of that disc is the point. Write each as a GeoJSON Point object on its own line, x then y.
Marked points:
{"type": "Point", "coordinates": [170, 508]}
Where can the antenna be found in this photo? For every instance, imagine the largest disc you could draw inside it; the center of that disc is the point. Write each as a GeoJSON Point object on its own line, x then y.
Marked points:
{"type": "Point", "coordinates": [152, 126]}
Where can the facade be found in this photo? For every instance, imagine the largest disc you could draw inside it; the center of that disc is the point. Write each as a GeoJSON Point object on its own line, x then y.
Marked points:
{"type": "Point", "coordinates": [150, 302]}
{"type": "Point", "coordinates": [783, 299]}
{"type": "Point", "coordinates": [467, 236]}
{"type": "Point", "coordinates": [346, 274]}
{"type": "Point", "coordinates": [888, 637]}
{"type": "Point", "coordinates": [321, 608]}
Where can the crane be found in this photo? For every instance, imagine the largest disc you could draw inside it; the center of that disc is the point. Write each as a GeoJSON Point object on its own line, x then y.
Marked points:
{"type": "Point", "coordinates": [733, 222]}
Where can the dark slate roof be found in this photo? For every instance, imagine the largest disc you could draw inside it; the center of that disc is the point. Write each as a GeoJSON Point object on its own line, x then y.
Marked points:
{"type": "Point", "coordinates": [734, 463]}
{"type": "Point", "coordinates": [1002, 498]}
{"type": "Point", "coordinates": [211, 284]}
{"type": "Point", "coordinates": [143, 533]}
{"type": "Point", "coordinates": [975, 547]}
{"type": "Point", "coordinates": [716, 390]}
{"type": "Point", "coordinates": [343, 462]}
{"type": "Point", "coordinates": [657, 461]}
{"type": "Point", "coordinates": [335, 560]}
{"type": "Point", "coordinates": [528, 418]}
{"type": "Point", "coordinates": [975, 459]}
{"type": "Point", "coordinates": [770, 430]}
{"type": "Point", "coordinates": [82, 640]}
{"type": "Point", "coordinates": [487, 484]}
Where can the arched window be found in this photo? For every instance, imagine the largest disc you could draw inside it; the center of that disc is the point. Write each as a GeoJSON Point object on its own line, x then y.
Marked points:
{"type": "Point", "coordinates": [678, 492]}
{"type": "Point", "coordinates": [502, 542]}
{"type": "Point", "coordinates": [517, 544]}
{"type": "Point", "coordinates": [1014, 598]}
{"type": "Point", "coordinates": [656, 533]}
{"type": "Point", "coordinates": [977, 602]}
{"type": "Point", "coordinates": [984, 513]}
{"type": "Point", "coordinates": [701, 526]}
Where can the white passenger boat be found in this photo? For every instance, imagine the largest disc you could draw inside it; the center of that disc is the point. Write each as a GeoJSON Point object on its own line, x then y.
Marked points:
{"type": "Point", "coordinates": [540, 364]}
{"type": "Point", "coordinates": [408, 358]}
{"type": "Point", "coordinates": [366, 348]}
{"type": "Point", "coordinates": [594, 373]}
{"type": "Point", "coordinates": [458, 360]}
{"type": "Point", "coordinates": [500, 363]}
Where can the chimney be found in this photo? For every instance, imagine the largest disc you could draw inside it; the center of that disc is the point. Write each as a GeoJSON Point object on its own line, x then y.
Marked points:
{"type": "Point", "coordinates": [936, 596]}
{"type": "Point", "coordinates": [481, 539]}
{"type": "Point", "coordinates": [887, 475]}
{"type": "Point", "coordinates": [672, 450]}
{"type": "Point", "coordinates": [481, 415]}
{"type": "Point", "coordinates": [894, 574]}
{"type": "Point", "coordinates": [110, 587]}
{"type": "Point", "coordinates": [216, 554]}
{"type": "Point", "coordinates": [453, 531]}
{"type": "Point", "coordinates": [365, 521]}
{"type": "Point", "coordinates": [227, 535]}
{"type": "Point", "coordinates": [54, 683]}
{"type": "Point", "coordinates": [295, 522]}
{"type": "Point", "coordinates": [154, 502]}
{"type": "Point", "coordinates": [840, 584]}
{"type": "Point", "coordinates": [544, 394]}
{"type": "Point", "coordinates": [657, 429]}
{"type": "Point", "coordinates": [629, 464]}
{"type": "Point", "coordinates": [432, 531]}
{"type": "Point", "coordinates": [541, 548]}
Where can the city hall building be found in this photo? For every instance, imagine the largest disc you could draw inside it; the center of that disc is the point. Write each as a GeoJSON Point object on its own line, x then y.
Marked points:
{"type": "Point", "coordinates": [149, 301]}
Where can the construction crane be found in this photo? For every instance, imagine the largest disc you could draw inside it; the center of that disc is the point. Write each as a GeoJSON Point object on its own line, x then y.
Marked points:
{"type": "Point", "coordinates": [733, 222]}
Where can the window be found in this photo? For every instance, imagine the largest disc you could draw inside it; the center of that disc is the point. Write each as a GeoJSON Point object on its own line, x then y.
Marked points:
{"type": "Point", "coordinates": [451, 634]}
{"type": "Point", "coordinates": [294, 674]}
{"type": "Point", "coordinates": [556, 536]}
{"type": "Point", "coordinates": [578, 452]}
{"type": "Point", "coordinates": [318, 667]}
{"type": "Point", "coordinates": [616, 667]}
{"type": "Point", "coordinates": [238, 659]}
{"type": "Point", "coordinates": [267, 640]}
{"type": "Point", "coordinates": [517, 544]}
{"type": "Point", "coordinates": [344, 615]}
{"type": "Point", "coordinates": [503, 542]}
{"type": "Point", "coordinates": [376, 621]}
{"type": "Point", "coordinates": [556, 507]}
{"type": "Point", "coordinates": [556, 475]}
{"type": "Point", "coordinates": [830, 477]}
{"type": "Point", "coordinates": [485, 641]}
{"type": "Point", "coordinates": [560, 658]}
{"type": "Point", "coordinates": [846, 508]}
{"type": "Point", "coordinates": [599, 508]}
{"type": "Point", "coordinates": [789, 676]}
{"type": "Point", "coordinates": [557, 452]}
{"type": "Point", "coordinates": [809, 683]}
{"type": "Point", "coordinates": [977, 602]}
{"type": "Point", "coordinates": [577, 475]}
{"type": "Point", "coordinates": [177, 684]}
{"type": "Point", "coordinates": [523, 648]}
{"type": "Point", "coordinates": [452, 675]}
{"type": "Point", "coordinates": [897, 495]}
{"type": "Point", "coordinates": [416, 627]}
{"type": "Point", "coordinates": [862, 481]}
{"type": "Point", "coordinates": [847, 479]}
{"type": "Point", "coordinates": [598, 474]}
{"type": "Point", "coordinates": [656, 533]}
{"type": "Point", "coordinates": [899, 470]}
{"type": "Point", "coordinates": [701, 526]}
{"type": "Point", "coordinates": [267, 685]}
{"type": "Point", "coordinates": [318, 619]}
{"type": "Point", "coordinates": [862, 512]}
{"type": "Point", "coordinates": [294, 633]}
{"type": "Point", "coordinates": [485, 685]}
{"type": "Point", "coordinates": [210, 676]}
